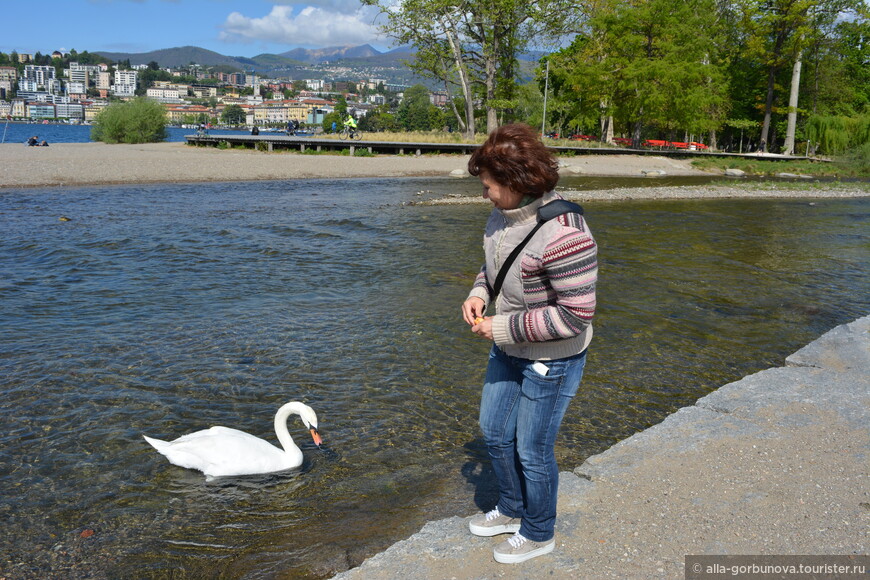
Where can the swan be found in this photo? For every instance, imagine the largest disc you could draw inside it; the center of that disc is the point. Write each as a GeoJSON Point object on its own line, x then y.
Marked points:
{"type": "Point", "coordinates": [222, 451]}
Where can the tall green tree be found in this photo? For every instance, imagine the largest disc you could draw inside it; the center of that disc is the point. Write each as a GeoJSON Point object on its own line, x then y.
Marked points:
{"type": "Point", "coordinates": [233, 115]}
{"type": "Point", "coordinates": [648, 63]}
{"type": "Point", "coordinates": [416, 112]}
{"type": "Point", "coordinates": [778, 33]}
{"type": "Point", "coordinates": [471, 46]}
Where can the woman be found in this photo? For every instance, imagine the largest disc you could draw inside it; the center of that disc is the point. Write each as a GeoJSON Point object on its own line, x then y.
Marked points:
{"type": "Point", "coordinates": [541, 329]}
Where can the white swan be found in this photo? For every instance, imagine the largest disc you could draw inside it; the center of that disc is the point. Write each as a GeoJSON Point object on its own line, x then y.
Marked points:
{"type": "Point", "coordinates": [222, 451]}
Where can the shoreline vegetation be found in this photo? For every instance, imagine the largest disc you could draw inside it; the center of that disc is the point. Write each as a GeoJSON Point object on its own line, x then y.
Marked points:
{"type": "Point", "coordinates": [92, 164]}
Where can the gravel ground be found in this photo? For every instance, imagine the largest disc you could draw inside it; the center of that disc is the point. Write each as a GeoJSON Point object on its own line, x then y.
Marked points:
{"type": "Point", "coordinates": [80, 164]}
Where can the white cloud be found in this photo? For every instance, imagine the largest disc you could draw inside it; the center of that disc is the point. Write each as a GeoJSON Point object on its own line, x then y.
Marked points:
{"type": "Point", "coordinates": [311, 26]}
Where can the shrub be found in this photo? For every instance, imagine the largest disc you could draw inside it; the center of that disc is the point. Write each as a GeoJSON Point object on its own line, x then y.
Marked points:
{"type": "Point", "coordinates": [138, 121]}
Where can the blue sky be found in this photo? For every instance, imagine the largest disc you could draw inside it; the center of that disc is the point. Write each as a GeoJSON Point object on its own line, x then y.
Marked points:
{"type": "Point", "coordinates": [230, 27]}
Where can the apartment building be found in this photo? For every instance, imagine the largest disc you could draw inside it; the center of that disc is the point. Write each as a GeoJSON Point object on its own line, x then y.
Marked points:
{"type": "Point", "coordinates": [125, 83]}
{"type": "Point", "coordinates": [93, 108]}
{"type": "Point", "coordinates": [165, 94]}
{"type": "Point", "coordinates": [36, 110]}
{"type": "Point", "coordinates": [69, 110]}
{"type": "Point", "coordinates": [84, 73]}
{"type": "Point", "coordinates": [177, 114]}
{"type": "Point", "coordinates": [104, 80]}
{"type": "Point", "coordinates": [77, 89]}
{"type": "Point", "coordinates": [8, 80]}
{"type": "Point", "coordinates": [204, 92]}
{"type": "Point", "coordinates": [19, 108]}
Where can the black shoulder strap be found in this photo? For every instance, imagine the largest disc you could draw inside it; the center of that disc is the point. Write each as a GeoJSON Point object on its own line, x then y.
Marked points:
{"type": "Point", "coordinates": [545, 213]}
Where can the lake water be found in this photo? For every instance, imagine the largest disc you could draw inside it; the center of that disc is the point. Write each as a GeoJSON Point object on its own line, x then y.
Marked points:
{"type": "Point", "coordinates": [57, 133]}
{"type": "Point", "coordinates": [164, 309]}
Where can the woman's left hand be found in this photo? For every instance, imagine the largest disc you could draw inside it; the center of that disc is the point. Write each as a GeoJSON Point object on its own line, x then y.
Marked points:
{"type": "Point", "coordinates": [483, 328]}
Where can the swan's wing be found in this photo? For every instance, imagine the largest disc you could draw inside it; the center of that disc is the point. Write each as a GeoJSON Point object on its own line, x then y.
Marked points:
{"type": "Point", "coordinates": [225, 451]}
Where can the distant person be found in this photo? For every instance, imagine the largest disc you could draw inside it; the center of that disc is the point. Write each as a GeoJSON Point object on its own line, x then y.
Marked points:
{"type": "Point", "coordinates": [334, 127]}
{"type": "Point", "coordinates": [44, 143]}
{"type": "Point", "coordinates": [350, 123]}
{"type": "Point", "coordinates": [255, 131]}
{"type": "Point", "coordinates": [33, 141]}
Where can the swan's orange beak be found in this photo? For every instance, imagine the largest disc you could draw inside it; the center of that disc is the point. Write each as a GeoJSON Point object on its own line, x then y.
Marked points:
{"type": "Point", "coordinates": [316, 436]}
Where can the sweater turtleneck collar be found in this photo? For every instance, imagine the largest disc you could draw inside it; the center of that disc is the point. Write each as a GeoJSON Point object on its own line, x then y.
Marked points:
{"type": "Point", "coordinates": [528, 212]}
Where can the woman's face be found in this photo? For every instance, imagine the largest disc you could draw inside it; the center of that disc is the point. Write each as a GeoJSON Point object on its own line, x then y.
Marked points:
{"type": "Point", "coordinates": [501, 197]}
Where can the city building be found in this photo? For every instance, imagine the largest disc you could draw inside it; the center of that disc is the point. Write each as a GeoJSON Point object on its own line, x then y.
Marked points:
{"type": "Point", "coordinates": [37, 110]}
{"type": "Point", "coordinates": [165, 94]}
{"type": "Point", "coordinates": [125, 83]}
{"type": "Point", "coordinates": [104, 80]}
{"type": "Point", "coordinates": [8, 80]}
{"type": "Point", "coordinates": [72, 111]}
{"type": "Point", "coordinates": [39, 77]}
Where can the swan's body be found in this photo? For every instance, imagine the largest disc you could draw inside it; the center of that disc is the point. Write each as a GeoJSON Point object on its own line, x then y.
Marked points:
{"type": "Point", "coordinates": [222, 451]}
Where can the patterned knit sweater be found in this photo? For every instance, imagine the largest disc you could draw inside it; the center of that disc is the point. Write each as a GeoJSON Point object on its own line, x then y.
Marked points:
{"type": "Point", "coordinates": [545, 308]}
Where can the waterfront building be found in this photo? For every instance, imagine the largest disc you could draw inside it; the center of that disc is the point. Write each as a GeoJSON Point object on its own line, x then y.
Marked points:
{"type": "Point", "coordinates": [178, 114]}
{"type": "Point", "coordinates": [37, 110]}
{"type": "Point", "coordinates": [19, 108]}
{"type": "Point", "coordinates": [72, 111]}
{"type": "Point", "coordinates": [93, 108]}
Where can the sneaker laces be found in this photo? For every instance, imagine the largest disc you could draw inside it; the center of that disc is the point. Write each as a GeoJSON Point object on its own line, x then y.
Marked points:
{"type": "Point", "coordinates": [517, 540]}
{"type": "Point", "coordinates": [492, 515]}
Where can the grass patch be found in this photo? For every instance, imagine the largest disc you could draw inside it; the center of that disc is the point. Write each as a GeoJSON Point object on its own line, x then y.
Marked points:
{"type": "Point", "coordinates": [855, 165]}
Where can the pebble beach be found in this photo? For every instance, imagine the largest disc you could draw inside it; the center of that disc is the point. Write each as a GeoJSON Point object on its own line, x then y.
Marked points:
{"type": "Point", "coordinates": [84, 164]}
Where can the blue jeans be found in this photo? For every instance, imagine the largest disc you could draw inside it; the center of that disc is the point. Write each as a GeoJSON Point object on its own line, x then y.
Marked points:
{"type": "Point", "coordinates": [520, 414]}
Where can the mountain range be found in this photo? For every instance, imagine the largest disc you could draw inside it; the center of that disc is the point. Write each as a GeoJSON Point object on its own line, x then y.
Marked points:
{"type": "Point", "coordinates": [364, 55]}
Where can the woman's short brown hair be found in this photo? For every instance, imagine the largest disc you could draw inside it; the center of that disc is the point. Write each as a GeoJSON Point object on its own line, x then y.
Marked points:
{"type": "Point", "coordinates": [514, 157]}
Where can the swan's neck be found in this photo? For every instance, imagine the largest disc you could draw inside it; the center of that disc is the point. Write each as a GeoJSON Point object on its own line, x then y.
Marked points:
{"type": "Point", "coordinates": [281, 425]}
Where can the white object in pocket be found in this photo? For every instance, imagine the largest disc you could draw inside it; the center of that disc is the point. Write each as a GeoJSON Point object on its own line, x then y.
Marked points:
{"type": "Point", "coordinates": [541, 368]}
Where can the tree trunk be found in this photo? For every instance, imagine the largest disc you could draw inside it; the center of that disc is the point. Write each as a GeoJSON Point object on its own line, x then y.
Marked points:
{"type": "Point", "coordinates": [788, 149]}
{"type": "Point", "coordinates": [768, 109]}
{"type": "Point", "coordinates": [491, 68]}
{"type": "Point", "coordinates": [463, 81]}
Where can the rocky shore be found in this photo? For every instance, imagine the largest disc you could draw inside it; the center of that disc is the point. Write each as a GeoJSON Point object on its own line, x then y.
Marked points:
{"type": "Point", "coordinates": [777, 463]}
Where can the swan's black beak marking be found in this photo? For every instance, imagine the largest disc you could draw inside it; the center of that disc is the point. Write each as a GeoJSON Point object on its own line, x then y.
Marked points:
{"type": "Point", "coordinates": [316, 436]}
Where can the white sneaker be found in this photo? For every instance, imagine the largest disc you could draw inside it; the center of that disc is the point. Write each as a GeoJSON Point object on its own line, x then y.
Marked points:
{"type": "Point", "coordinates": [518, 549]}
{"type": "Point", "coordinates": [493, 523]}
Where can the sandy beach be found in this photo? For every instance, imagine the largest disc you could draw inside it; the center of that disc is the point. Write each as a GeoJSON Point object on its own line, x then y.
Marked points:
{"type": "Point", "coordinates": [82, 164]}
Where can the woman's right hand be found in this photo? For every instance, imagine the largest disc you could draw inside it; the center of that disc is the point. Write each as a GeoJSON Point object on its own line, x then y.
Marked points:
{"type": "Point", "coordinates": [472, 309]}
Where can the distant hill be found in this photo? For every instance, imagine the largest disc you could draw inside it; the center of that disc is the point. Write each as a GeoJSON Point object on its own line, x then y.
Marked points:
{"type": "Point", "coordinates": [298, 57]}
{"type": "Point", "coordinates": [300, 63]}
{"type": "Point", "coordinates": [174, 57]}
